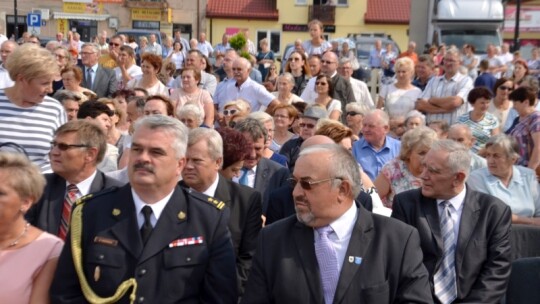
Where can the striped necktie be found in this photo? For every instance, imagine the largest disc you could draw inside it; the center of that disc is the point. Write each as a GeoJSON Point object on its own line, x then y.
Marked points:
{"type": "Point", "coordinates": [445, 277]}
{"type": "Point", "coordinates": [69, 199]}
{"type": "Point", "coordinates": [328, 263]}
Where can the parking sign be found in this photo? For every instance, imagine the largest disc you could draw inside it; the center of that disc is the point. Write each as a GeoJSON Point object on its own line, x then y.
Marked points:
{"type": "Point", "coordinates": [33, 20]}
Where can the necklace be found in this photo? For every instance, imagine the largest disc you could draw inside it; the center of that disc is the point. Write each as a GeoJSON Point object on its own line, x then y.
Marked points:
{"type": "Point", "coordinates": [16, 241]}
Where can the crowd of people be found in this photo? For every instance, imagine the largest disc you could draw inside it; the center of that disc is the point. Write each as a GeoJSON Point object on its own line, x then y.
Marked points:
{"type": "Point", "coordinates": [185, 172]}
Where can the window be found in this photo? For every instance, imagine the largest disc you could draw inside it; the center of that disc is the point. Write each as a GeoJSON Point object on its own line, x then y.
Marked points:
{"type": "Point", "coordinates": [328, 2]}
{"type": "Point", "coordinates": [274, 38]}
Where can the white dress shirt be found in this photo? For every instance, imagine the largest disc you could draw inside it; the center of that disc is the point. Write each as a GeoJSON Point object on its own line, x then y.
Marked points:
{"type": "Point", "coordinates": [157, 208]}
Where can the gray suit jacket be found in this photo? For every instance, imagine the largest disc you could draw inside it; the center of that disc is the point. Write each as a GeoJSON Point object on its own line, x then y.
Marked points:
{"type": "Point", "coordinates": [483, 245]}
{"type": "Point", "coordinates": [47, 212]}
{"type": "Point", "coordinates": [104, 82]}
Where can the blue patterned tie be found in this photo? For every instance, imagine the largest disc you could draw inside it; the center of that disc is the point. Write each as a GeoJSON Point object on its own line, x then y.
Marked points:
{"type": "Point", "coordinates": [328, 263]}
{"type": "Point", "coordinates": [445, 277]}
{"type": "Point", "coordinates": [244, 178]}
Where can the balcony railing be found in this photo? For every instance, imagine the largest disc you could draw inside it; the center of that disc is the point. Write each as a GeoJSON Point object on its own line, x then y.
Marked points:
{"type": "Point", "coordinates": [324, 13]}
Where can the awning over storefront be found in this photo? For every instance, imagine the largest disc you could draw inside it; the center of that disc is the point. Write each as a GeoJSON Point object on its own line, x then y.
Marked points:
{"type": "Point", "coordinates": [62, 15]}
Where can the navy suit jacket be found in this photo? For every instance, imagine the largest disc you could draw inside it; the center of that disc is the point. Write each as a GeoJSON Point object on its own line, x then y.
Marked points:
{"type": "Point", "coordinates": [47, 212]}
{"type": "Point", "coordinates": [383, 264]}
{"type": "Point", "coordinates": [113, 251]}
{"type": "Point", "coordinates": [483, 244]}
{"type": "Point", "coordinates": [269, 175]}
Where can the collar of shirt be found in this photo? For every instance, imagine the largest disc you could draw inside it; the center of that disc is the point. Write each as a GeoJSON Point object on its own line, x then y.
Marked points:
{"type": "Point", "coordinates": [243, 85]}
{"type": "Point", "coordinates": [364, 144]}
{"type": "Point", "coordinates": [344, 225]}
{"type": "Point", "coordinates": [2, 68]}
{"type": "Point", "coordinates": [157, 208]}
{"type": "Point", "coordinates": [211, 191]}
{"type": "Point", "coordinates": [250, 172]}
{"type": "Point", "coordinates": [84, 186]}
{"type": "Point", "coordinates": [516, 178]}
{"type": "Point", "coordinates": [93, 68]}
{"type": "Point", "coordinates": [456, 201]}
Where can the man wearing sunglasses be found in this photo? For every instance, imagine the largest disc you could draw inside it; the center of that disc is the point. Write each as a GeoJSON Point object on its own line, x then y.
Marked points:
{"type": "Point", "coordinates": [334, 249]}
{"type": "Point", "coordinates": [77, 147]}
{"type": "Point", "coordinates": [308, 121]}
{"type": "Point", "coordinates": [110, 59]}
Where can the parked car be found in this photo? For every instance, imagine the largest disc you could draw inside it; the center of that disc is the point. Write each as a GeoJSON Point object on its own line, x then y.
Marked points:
{"type": "Point", "coordinates": [364, 44]}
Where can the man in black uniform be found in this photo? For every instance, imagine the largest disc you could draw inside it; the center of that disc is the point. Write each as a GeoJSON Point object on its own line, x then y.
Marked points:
{"type": "Point", "coordinates": [149, 241]}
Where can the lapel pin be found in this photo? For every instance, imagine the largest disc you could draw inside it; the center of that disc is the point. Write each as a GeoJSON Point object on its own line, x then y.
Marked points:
{"type": "Point", "coordinates": [116, 212]}
{"type": "Point", "coordinates": [357, 260]}
{"type": "Point", "coordinates": [97, 273]}
{"type": "Point", "coordinates": [181, 215]}
{"type": "Point", "coordinates": [351, 259]}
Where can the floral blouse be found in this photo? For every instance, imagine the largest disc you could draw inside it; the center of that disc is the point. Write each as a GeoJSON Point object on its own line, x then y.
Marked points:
{"type": "Point", "coordinates": [399, 178]}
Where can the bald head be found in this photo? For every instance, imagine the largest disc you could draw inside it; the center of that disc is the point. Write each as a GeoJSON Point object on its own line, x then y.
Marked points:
{"type": "Point", "coordinates": [316, 140]}
{"type": "Point", "coordinates": [462, 134]}
{"type": "Point", "coordinates": [241, 68]}
{"type": "Point", "coordinates": [329, 63]}
{"type": "Point", "coordinates": [6, 49]}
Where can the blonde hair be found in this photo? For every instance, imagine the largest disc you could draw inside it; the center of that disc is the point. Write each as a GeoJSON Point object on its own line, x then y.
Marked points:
{"type": "Point", "coordinates": [24, 177]}
{"type": "Point", "coordinates": [31, 61]}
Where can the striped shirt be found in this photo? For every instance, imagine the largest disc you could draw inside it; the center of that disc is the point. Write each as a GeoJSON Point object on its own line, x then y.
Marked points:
{"type": "Point", "coordinates": [459, 85]}
{"type": "Point", "coordinates": [32, 128]}
{"type": "Point", "coordinates": [481, 130]}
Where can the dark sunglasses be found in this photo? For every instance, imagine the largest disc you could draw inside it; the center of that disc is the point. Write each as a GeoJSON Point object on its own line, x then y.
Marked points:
{"type": "Point", "coordinates": [505, 88]}
{"type": "Point", "coordinates": [308, 185]}
{"type": "Point", "coordinates": [321, 83]}
{"type": "Point", "coordinates": [306, 125]}
{"type": "Point", "coordinates": [295, 59]}
{"type": "Point", "coordinates": [65, 147]}
{"type": "Point", "coordinates": [229, 112]}
{"type": "Point", "coordinates": [352, 113]}
{"type": "Point", "coordinates": [114, 44]}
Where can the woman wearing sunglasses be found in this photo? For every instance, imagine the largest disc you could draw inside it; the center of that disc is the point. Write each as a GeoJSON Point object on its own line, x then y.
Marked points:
{"type": "Point", "coordinates": [298, 66]}
{"type": "Point", "coordinates": [502, 105]}
{"type": "Point", "coordinates": [325, 91]}
{"type": "Point", "coordinates": [231, 108]}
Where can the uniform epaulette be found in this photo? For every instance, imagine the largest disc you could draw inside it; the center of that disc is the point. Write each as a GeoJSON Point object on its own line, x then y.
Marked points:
{"type": "Point", "coordinates": [205, 198]}
{"type": "Point", "coordinates": [90, 196]}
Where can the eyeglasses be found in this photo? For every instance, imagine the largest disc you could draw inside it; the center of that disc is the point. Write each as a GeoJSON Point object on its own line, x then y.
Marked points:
{"type": "Point", "coordinates": [306, 125]}
{"type": "Point", "coordinates": [321, 83]}
{"type": "Point", "coordinates": [505, 88]}
{"type": "Point", "coordinates": [295, 59]}
{"type": "Point", "coordinates": [327, 62]}
{"type": "Point", "coordinates": [308, 185]}
{"type": "Point", "coordinates": [229, 112]}
{"type": "Point", "coordinates": [352, 113]}
{"type": "Point", "coordinates": [87, 53]}
{"type": "Point", "coordinates": [280, 116]}
{"type": "Point", "coordinates": [59, 56]}
{"type": "Point", "coordinates": [65, 147]}
{"type": "Point", "coordinates": [114, 44]}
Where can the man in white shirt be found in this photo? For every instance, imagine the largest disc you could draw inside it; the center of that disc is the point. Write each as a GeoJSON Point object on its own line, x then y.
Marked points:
{"type": "Point", "coordinates": [204, 46]}
{"type": "Point", "coordinates": [126, 68]}
{"type": "Point", "coordinates": [153, 47]}
{"type": "Point", "coordinates": [5, 50]}
{"type": "Point", "coordinates": [195, 60]}
{"type": "Point", "coordinates": [245, 88]}
{"type": "Point", "coordinates": [360, 88]}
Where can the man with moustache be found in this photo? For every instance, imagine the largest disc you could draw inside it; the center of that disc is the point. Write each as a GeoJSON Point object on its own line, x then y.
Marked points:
{"type": "Point", "coordinates": [149, 241]}
{"type": "Point", "coordinates": [334, 250]}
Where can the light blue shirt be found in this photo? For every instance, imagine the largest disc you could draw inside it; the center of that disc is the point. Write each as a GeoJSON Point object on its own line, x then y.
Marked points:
{"type": "Point", "coordinates": [372, 160]}
{"type": "Point", "coordinates": [521, 195]}
{"type": "Point", "coordinates": [375, 58]}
